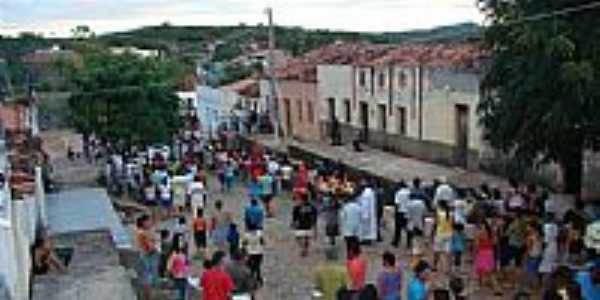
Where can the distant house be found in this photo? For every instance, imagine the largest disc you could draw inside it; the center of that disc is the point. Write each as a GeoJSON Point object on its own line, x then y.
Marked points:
{"type": "Point", "coordinates": [145, 53]}
{"type": "Point", "coordinates": [280, 57]}
{"type": "Point", "coordinates": [45, 64]}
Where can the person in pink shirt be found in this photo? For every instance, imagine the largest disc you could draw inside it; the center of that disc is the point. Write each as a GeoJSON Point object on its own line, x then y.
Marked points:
{"type": "Point", "coordinates": [357, 268]}
{"type": "Point", "coordinates": [179, 268]}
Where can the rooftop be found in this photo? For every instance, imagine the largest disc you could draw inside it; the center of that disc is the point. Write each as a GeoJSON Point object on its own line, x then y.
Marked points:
{"type": "Point", "coordinates": [94, 272]}
{"type": "Point", "coordinates": [363, 54]}
{"type": "Point", "coordinates": [83, 210]}
{"type": "Point", "coordinates": [245, 87]}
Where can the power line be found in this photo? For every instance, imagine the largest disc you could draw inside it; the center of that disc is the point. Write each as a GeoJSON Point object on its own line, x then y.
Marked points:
{"type": "Point", "coordinates": [556, 13]}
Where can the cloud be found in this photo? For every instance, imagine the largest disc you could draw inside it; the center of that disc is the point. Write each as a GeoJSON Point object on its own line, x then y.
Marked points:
{"type": "Point", "coordinates": [60, 16]}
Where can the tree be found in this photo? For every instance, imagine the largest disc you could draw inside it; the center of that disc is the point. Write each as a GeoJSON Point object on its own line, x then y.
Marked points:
{"type": "Point", "coordinates": [125, 99]}
{"type": "Point", "coordinates": [541, 97]}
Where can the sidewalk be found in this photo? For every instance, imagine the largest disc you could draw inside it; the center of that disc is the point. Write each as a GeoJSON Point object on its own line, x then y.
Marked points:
{"type": "Point", "coordinates": [383, 164]}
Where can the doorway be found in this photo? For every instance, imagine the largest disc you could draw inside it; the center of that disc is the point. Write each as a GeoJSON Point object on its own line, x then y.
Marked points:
{"type": "Point", "coordinates": [331, 110]}
{"type": "Point", "coordinates": [364, 118]}
{"type": "Point", "coordinates": [462, 134]}
{"type": "Point", "coordinates": [401, 121]}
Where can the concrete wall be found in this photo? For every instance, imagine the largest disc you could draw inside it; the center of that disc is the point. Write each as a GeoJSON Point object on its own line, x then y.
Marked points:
{"type": "Point", "coordinates": [335, 82]}
{"type": "Point", "coordinates": [18, 224]}
{"type": "Point", "coordinates": [430, 151]}
{"type": "Point", "coordinates": [300, 96]}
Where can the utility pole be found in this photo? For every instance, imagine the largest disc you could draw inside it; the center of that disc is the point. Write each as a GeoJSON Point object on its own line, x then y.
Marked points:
{"type": "Point", "coordinates": [273, 107]}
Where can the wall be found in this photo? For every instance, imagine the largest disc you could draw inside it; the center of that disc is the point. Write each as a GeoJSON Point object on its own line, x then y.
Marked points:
{"type": "Point", "coordinates": [299, 94]}
{"type": "Point", "coordinates": [335, 81]}
{"type": "Point", "coordinates": [430, 151]}
{"type": "Point", "coordinates": [214, 107]}
{"type": "Point", "coordinates": [428, 93]}
{"type": "Point", "coordinates": [443, 89]}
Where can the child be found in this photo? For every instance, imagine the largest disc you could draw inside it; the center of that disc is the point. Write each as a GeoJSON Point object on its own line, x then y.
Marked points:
{"type": "Point", "coordinates": [484, 258]}
{"type": "Point", "coordinates": [233, 238]}
{"type": "Point", "coordinates": [182, 229]}
{"type": "Point", "coordinates": [199, 229]}
{"type": "Point", "coordinates": [534, 253]}
{"type": "Point", "coordinates": [178, 268]}
{"type": "Point", "coordinates": [458, 244]}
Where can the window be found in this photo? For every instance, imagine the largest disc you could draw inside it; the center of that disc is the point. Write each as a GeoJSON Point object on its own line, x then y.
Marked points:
{"type": "Point", "coordinates": [300, 117]}
{"type": "Point", "coordinates": [381, 79]}
{"type": "Point", "coordinates": [362, 78]}
{"type": "Point", "coordinates": [401, 121]}
{"type": "Point", "coordinates": [348, 110]}
{"type": "Point", "coordinates": [310, 112]}
{"type": "Point", "coordinates": [401, 80]}
{"type": "Point", "coordinates": [382, 117]}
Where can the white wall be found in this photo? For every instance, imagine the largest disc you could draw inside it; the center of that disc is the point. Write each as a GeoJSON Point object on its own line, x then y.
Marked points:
{"type": "Point", "coordinates": [334, 81]}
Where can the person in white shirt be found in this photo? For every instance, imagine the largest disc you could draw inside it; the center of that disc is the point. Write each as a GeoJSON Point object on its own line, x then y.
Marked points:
{"type": "Point", "coordinates": [550, 254]}
{"type": "Point", "coordinates": [254, 243]}
{"type": "Point", "coordinates": [401, 200]}
{"type": "Point", "coordinates": [350, 217]}
{"type": "Point", "coordinates": [273, 168]}
{"type": "Point", "coordinates": [416, 223]}
{"type": "Point", "coordinates": [444, 192]}
{"type": "Point", "coordinates": [197, 194]}
{"type": "Point", "coordinates": [286, 176]}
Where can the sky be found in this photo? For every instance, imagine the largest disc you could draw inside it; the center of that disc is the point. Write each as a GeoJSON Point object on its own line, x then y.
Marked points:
{"type": "Point", "coordinates": [58, 17]}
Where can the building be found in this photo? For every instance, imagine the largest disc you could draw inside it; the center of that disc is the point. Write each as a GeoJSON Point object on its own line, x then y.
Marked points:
{"type": "Point", "coordinates": [22, 197]}
{"type": "Point", "coordinates": [416, 100]}
{"type": "Point", "coordinates": [145, 53]}
{"type": "Point", "coordinates": [217, 109]}
{"type": "Point", "coordinates": [261, 57]}
{"type": "Point", "coordinates": [298, 105]}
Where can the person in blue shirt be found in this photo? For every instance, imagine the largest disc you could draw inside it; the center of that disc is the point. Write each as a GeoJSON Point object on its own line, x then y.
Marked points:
{"type": "Point", "coordinates": [417, 288]}
{"type": "Point", "coordinates": [233, 238]}
{"type": "Point", "coordinates": [254, 216]}
{"type": "Point", "coordinates": [589, 282]}
{"type": "Point", "coordinates": [254, 189]}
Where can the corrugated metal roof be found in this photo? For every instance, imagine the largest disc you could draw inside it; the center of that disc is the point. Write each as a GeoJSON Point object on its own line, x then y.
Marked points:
{"type": "Point", "coordinates": [84, 210]}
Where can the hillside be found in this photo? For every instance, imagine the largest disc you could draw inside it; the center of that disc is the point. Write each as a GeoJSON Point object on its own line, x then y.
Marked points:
{"type": "Point", "coordinates": [210, 44]}
{"type": "Point", "coordinates": [234, 40]}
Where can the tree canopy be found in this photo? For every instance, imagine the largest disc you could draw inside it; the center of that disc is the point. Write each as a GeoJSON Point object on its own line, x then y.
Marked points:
{"type": "Point", "coordinates": [125, 98]}
{"type": "Point", "coordinates": [543, 83]}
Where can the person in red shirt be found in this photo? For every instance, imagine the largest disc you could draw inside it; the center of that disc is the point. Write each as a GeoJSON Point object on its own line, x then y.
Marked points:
{"type": "Point", "coordinates": [215, 282]}
{"type": "Point", "coordinates": [357, 268]}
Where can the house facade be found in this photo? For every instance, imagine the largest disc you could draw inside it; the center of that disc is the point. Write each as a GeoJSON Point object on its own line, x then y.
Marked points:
{"type": "Point", "coordinates": [22, 197]}
{"type": "Point", "coordinates": [418, 101]}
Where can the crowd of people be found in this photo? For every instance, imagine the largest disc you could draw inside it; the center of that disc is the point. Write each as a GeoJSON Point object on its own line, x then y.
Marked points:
{"type": "Point", "coordinates": [508, 240]}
